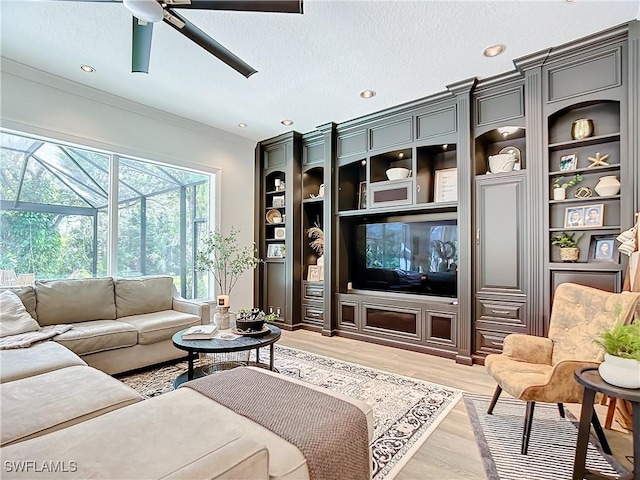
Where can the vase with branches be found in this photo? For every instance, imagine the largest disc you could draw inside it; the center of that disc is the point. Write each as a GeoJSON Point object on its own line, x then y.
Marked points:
{"type": "Point", "coordinates": [226, 259]}
{"type": "Point", "coordinates": [317, 245]}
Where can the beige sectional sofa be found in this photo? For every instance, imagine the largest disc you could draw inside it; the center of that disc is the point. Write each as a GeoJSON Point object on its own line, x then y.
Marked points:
{"type": "Point", "coordinates": [119, 324]}
{"type": "Point", "coordinates": [74, 421]}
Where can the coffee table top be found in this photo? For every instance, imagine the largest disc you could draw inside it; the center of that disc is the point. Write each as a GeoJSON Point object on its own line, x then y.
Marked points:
{"type": "Point", "coordinates": [221, 346]}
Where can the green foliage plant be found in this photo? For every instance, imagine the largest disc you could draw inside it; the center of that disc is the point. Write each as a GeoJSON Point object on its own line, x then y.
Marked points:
{"type": "Point", "coordinates": [622, 340]}
{"type": "Point", "coordinates": [558, 182]}
{"type": "Point", "coordinates": [566, 240]}
{"type": "Point", "coordinates": [223, 256]}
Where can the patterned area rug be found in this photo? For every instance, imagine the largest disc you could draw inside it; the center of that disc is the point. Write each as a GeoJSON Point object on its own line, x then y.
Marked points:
{"type": "Point", "coordinates": [552, 445]}
{"type": "Point", "coordinates": [406, 410]}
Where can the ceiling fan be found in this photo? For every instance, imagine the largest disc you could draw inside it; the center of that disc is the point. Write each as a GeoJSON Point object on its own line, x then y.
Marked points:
{"type": "Point", "coordinates": [147, 12]}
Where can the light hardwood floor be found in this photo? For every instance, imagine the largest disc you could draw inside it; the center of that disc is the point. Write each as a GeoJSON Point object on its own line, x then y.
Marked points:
{"type": "Point", "coordinates": [450, 453]}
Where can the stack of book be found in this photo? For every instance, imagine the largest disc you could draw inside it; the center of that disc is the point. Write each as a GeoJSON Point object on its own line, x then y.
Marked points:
{"type": "Point", "coordinates": [200, 332]}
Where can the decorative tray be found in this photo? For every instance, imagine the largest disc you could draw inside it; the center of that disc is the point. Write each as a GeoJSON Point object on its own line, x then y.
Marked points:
{"type": "Point", "coordinates": [264, 331]}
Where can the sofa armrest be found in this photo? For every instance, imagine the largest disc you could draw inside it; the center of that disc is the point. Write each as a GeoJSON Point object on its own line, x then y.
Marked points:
{"type": "Point", "coordinates": [240, 458]}
{"type": "Point", "coordinates": [528, 348]}
{"type": "Point", "coordinates": [194, 307]}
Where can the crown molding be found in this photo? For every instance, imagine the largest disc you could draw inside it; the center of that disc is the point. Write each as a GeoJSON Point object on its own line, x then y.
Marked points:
{"type": "Point", "coordinates": [26, 72]}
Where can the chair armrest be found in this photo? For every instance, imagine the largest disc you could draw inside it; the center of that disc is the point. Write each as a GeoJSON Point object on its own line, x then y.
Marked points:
{"type": "Point", "coordinates": [561, 386]}
{"type": "Point", "coordinates": [528, 348]}
{"type": "Point", "coordinates": [240, 458]}
{"type": "Point", "coordinates": [194, 307]}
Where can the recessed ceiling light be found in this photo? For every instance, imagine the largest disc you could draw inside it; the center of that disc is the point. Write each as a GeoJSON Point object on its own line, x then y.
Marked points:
{"type": "Point", "coordinates": [494, 50]}
{"type": "Point", "coordinates": [87, 68]}
{"type": "Point", "coordinates": [367, 93]}
{"type": "Point", "coordinates": [363, 163]}
{"type": "Point", "coordinates": [287, 122]}
{"type": "Point", "coordinates": [445, 146]}
{"type": "Point", "coordinates": [242, 125]}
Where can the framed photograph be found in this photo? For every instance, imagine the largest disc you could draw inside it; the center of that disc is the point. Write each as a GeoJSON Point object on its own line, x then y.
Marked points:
{"type": "Point", "coordinates": [279, 233]}
{"type": "Point", "coordinates": [274, 250]}
{"type": "Point", "coordinates": [362, 196]}
{"type": "Point", "coordinates": [603, 249]}
{"type": "Point", "coordinates": [278, 202]}
{"type": "Point", "coordinates": [446, 185]}
{"type": "Point", "coordinates": [581, 216]}
{"type": "Point", "coordinates": [313, 273]}
{"type": "Point", "coordinates": [568, 162]}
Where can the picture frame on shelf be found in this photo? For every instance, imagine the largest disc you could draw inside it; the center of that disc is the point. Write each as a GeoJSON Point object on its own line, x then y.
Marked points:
{"type": "Point", "coordinates": [275, 250]}
{"type": "Point", "coordinates": [584, 216]}
{"type": "Point", "coordinates": [362, 196]}
{"type": "Point", "coordinates": [602, 248]}
{"type": "Point", "coordinates": [278, 202]}
{"type": "Point", "coordinates": [313, 273]}
{"type": "Point", "coordinates": [568, 162]}
{"type": "Point", "coordinates": [446, 185]}
{"type": "Point", "coordinates": [279, 233]}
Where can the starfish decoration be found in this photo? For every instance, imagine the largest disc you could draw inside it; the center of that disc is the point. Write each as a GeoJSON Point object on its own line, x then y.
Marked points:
{"type": "Point", "coordinates": [598, 160]}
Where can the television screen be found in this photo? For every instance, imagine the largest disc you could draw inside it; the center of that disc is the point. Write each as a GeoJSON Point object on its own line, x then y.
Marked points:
{"type": "Point", "coordinates": [407, 257]}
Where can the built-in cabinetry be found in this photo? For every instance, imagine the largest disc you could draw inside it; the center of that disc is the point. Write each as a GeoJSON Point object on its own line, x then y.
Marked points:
{"type": "Point", "coordinates": [277, 227]}
{"type": "Point", "coordinates": [340, 179]}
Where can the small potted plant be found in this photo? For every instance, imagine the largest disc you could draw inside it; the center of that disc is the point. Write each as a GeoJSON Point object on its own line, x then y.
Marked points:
{"type": "Point", "coordinates": [251, 320]}
{"type": "Point", "coordinates": [569, 251]}
{"type": "Point", "coordinates": [621, 344]}
{"type": "Point", "coordinates": [560, 186]}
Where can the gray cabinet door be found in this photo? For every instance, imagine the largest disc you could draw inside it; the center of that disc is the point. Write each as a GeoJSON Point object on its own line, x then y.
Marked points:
{"type": "Point", "coordinates": [500, 234]}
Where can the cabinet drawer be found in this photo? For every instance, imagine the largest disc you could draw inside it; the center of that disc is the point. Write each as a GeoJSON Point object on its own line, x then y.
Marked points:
{"type": "Point", "coordinates": [489, 341]}
{"type": "Point", "coordinates": [313, 314]}
{"type": "Point", "coordinates": [386, 194]}
{"type": "Point", "coordinates": [313, 291]}
{"type": "Point", "coordinates": [508, 312]}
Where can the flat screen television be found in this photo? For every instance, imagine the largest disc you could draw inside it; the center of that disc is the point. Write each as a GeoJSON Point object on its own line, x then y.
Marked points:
{"type": "Point", "coordinates": [414, 256]}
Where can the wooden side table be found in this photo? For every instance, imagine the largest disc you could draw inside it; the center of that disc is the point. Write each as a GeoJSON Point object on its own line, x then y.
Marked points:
{"type": "Point", "coordinates": [593, 383]}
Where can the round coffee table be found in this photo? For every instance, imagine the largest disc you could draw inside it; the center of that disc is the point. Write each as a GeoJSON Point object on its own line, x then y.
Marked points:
{"type": "Point", "coordinates": [242, 343]}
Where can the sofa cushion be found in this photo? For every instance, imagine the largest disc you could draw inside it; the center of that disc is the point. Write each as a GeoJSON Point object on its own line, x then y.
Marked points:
{"type": "Point", "coordinates": [135, 296]}
{"type": "Point", "coordinates": [14, 318]}
{"type": "Point", "coordinates": [28, 296]}
{"type": "Point", "coordinates": [158, 326]}
{"type": "Point", "coordinates": [78, 300]}
{"type": "Point", "coordinates": [97, 336]}
{"type": "Point", "coordinates": [40, 358]}
{"type": "Point", "coordinates": [44, 403]}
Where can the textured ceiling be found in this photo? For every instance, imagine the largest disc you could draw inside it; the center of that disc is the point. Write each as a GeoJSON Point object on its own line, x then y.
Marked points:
{"type": "Point", "coordinates": [310, 67]}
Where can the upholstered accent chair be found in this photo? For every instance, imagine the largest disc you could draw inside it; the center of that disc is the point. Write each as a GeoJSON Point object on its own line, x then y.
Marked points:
{"type": "Point", "coordinates": [538, 369]}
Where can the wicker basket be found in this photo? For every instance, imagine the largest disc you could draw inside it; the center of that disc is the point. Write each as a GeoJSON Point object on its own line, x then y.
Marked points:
{"type": "Point", "coordinates": [569, 254]}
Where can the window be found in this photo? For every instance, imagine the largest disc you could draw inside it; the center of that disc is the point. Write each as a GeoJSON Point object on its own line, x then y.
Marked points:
{"type": "Point", "coordinates": [54, 214]}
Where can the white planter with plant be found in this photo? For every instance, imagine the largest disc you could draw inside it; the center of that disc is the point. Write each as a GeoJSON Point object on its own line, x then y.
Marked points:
{"type": "Point", "coordinates": [227, 261]}
{"type": "Point", "coordinates": [621, 366]}
{"type": "Point", "coordinates": [560, 187]}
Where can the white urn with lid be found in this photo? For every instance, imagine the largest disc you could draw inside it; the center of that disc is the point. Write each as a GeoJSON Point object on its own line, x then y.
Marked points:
{"type": "Point", "coordinates": [607, 186]}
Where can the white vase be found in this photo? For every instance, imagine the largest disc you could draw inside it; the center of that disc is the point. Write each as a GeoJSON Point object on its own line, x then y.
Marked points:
{"type": "Point", "coordinates": [621, 372]}
{"type": "Point", "coordinates": [221, 318]}
{"type": "Point", "coordinates": [607, 186]}
{"type": "Point", "coordinates": [559, 193]}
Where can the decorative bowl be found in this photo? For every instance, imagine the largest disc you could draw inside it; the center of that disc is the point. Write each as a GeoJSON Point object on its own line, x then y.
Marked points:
{"type": "Point", "coordinates": [398, 173]}
{"type": "Point", "coordinates": [503, 162]}
{"type": "Point", "coordinates": [274, 216]}
{"type": "Point", "coordinates": [249, 325]}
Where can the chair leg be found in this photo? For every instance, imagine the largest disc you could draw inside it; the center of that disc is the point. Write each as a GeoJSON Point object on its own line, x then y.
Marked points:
{"type": "Point", "coordinates": [526, 433]}
{"type": "Point", "coordinates": [611, 410]}
{"type": "Point", "coordinates": [494, 400]}
{"type": "Point", "coordinates": [561, 410]}
{"type": "Point", "coordinates": [600, 433]}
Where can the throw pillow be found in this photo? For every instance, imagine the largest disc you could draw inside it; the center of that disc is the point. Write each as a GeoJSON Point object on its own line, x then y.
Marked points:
{"type": "Point", "coordinates": [14, 318]}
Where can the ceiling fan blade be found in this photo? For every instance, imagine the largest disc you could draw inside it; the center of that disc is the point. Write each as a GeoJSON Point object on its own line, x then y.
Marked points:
{"type": "Point", "coordinates": [189, 30]}
{"type": "Point", "coordinates": [141, 45]}
{"type": "Point", "coordinates": [276, 6]}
